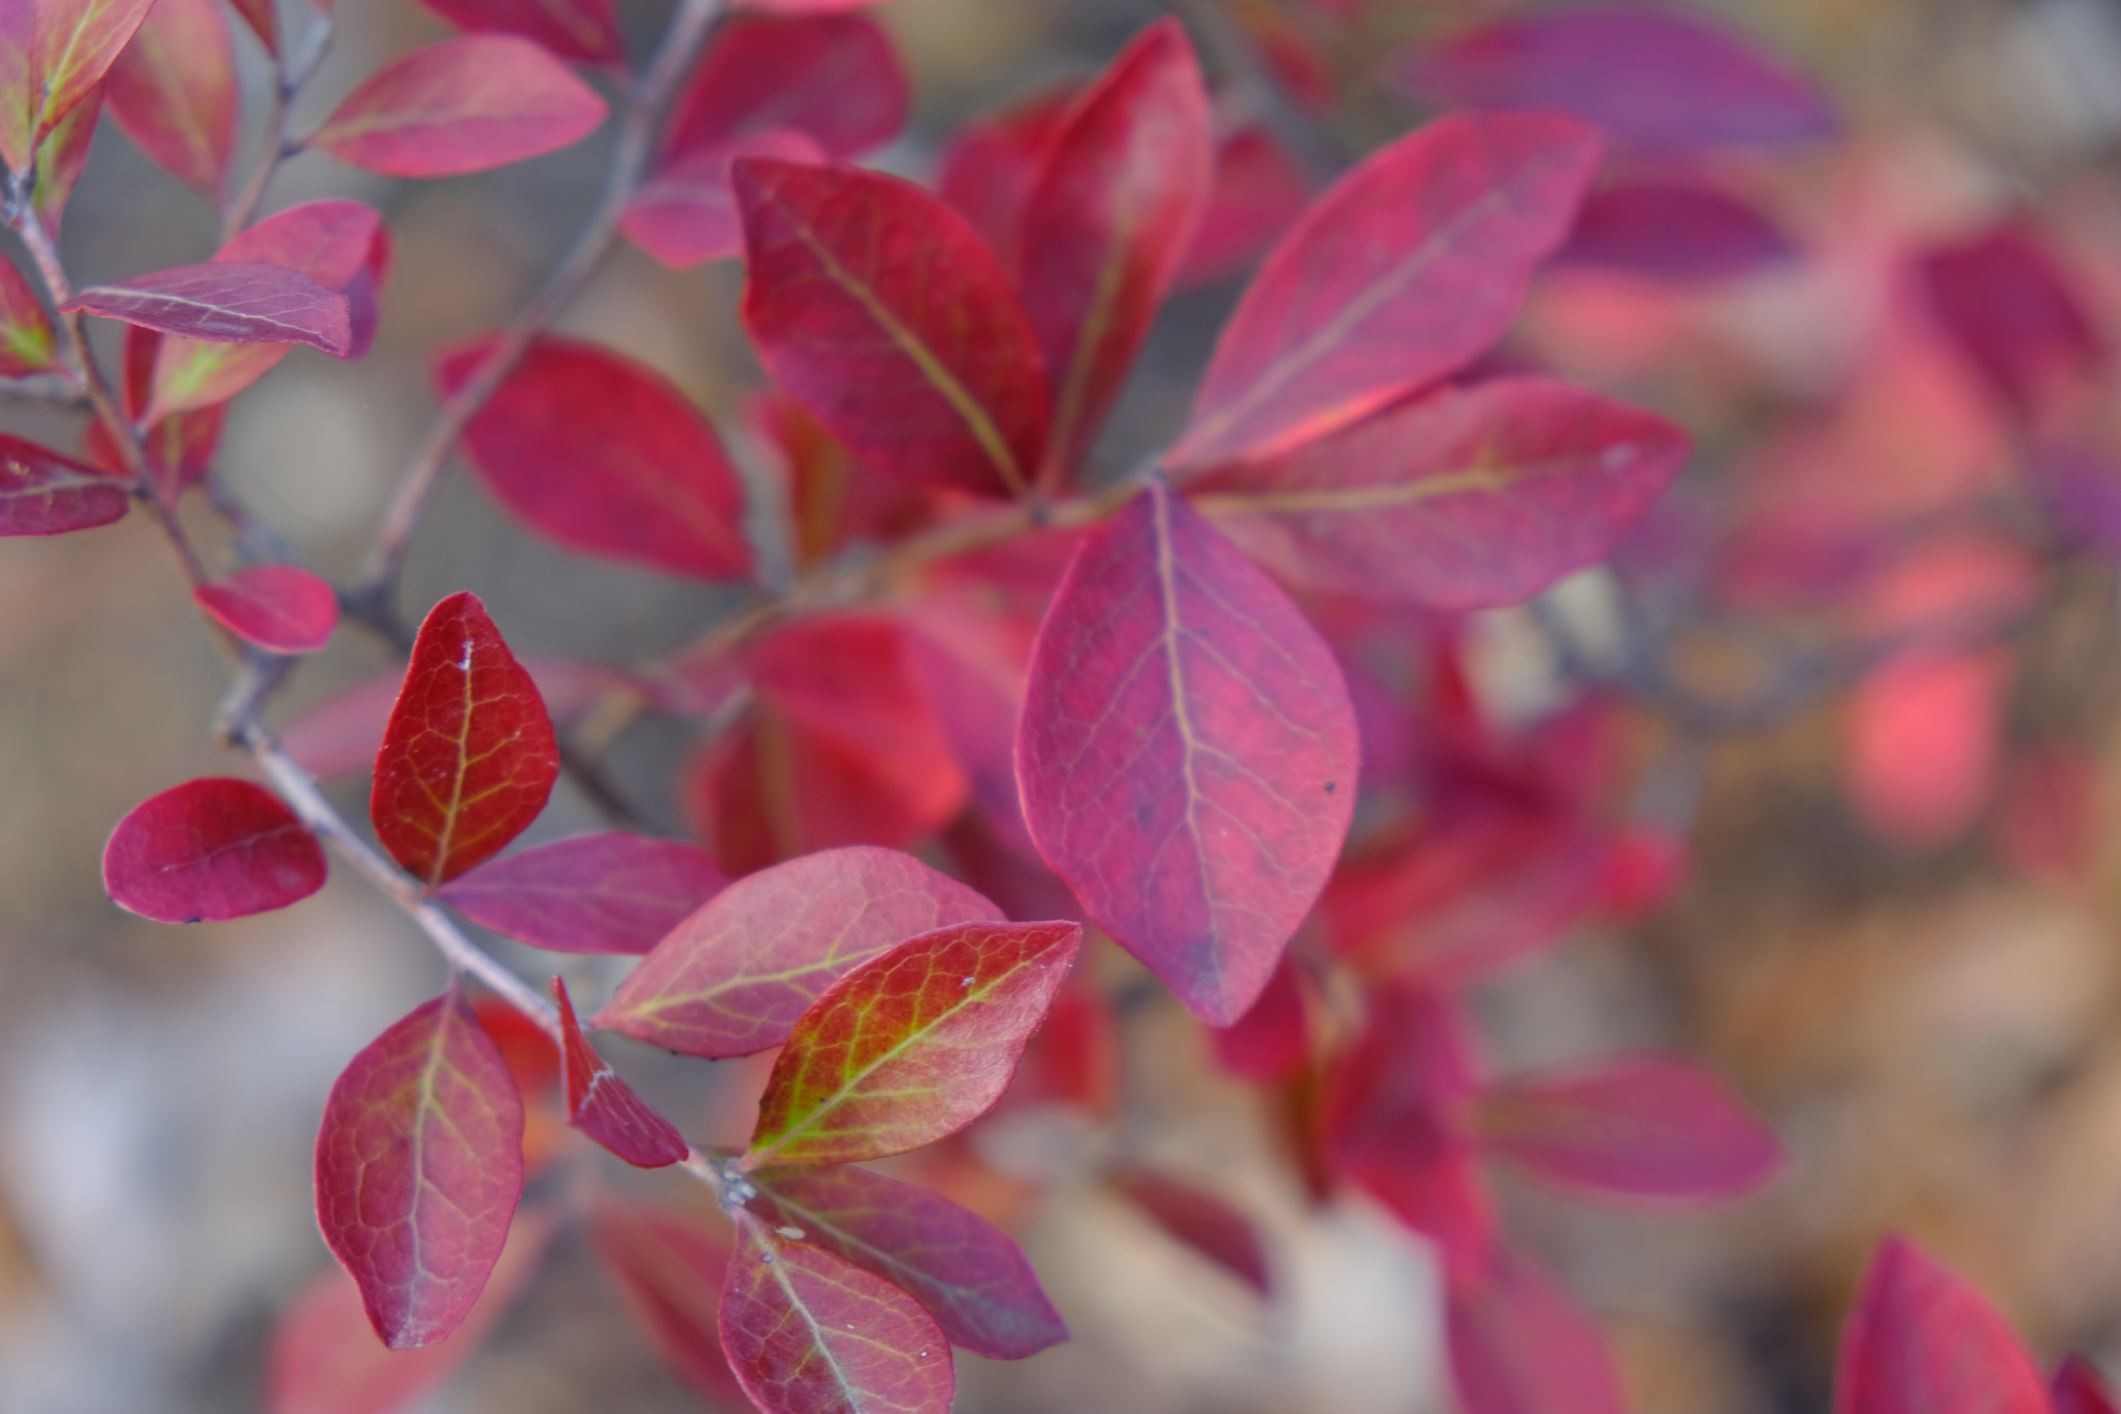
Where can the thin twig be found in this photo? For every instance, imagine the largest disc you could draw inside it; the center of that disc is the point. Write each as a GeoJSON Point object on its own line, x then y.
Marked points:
{"type": "Point", "coordinates": [291, 74]}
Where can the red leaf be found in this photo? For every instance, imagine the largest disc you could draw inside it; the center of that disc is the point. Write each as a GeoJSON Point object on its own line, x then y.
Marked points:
{"type": "Point", "coordinates": [469, 756]}
{"type": "Point", "coordinates": [988, 170]}
{"type": "Point", "coordinates": [1652, 75]}
{"type": "Point", "coordinates": [808, 1333]}
{"type": "Point", "coordinates": [26, 338]}
{"type": "Point", "coordinates": [609, 893]}
{"type": "Point", "coordinates": [43, 493]}
{"type": "Point", "coordinates": [2081, 1389]}
{"type": "Point", "coordinates": [587, 30]}
{"type": "Point", "coordinates": [1921, 1340]}
{"type": "Point", "coordinates": [882, 312]}
{"type": "Point", "coordinates": [1520, 1346]}
{"type": "Point", "coordinates": [1408, 269]}
{"type": "Point", "coordinates": [209, 850]}
{"type": "Point", "coordinates": [1202, 1222]}
{"type": "Point", "coordinates": [53, 55]}
{"type": "Point", "coordinates": [670, 1269]}
{"type": "Point", "coordinates": [465, 105]}
{"type": "Point", "coordinates": [1675, 229]}
{"type": "Point", "coordinates": [235, 301]}
{"type": "Point", "coordinates": [2006, 301]}
{"type": "Point", "coordinates": [685, 213]}
{"type": "Point", "coordinates": [912, 1045]}
{"type": "Point", "coordinates": [972, 1278]}
{"type": "Point", "coordinates": [734, 977]}
{"type": "Point", "coordinates": [834, 79]}
{"type": "Point", "coordinates": [1106, 224]}
{"type": "Point", "coordinates": [1645, 1126]}
{"type": "Point", "coordinates": [603, 455]}
{"type": "Point", "coordinates": [1462, 499]}
{"type": "Point", "coordinates": [174, 92]}
{"type": "Point", "coordinates": [1272, 1041]}
{"type": "Point", "coordinates": [278, 607]}
{"type": "Point", "coordinates": [419, 1167]}
{"type": "Point", "coordinates": [1258, 192]}
{"type": "Point", "coordinates": [605, 1107]}
{"type": "Point", "coordinates": [324, 1358]}
{"type": "Point", "coordinates": [263, 17]}
{"type": "Point", "coordinates": [1187, 755]}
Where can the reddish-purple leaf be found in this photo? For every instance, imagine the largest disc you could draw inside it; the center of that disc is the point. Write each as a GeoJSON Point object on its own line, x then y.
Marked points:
{"type": "Point", "coordinates": [808, 1332]}
{"type": "Point", "coordinates": [419, 1168]}
{"type": "Point", "coordinates": [1922, 1340]}
{"type": "Point", "coordinates": [587, 30]}
{"type": "Point", "coordinates": [988, 170]}
{"type": "Point", "coordinates": [208, 850]}
{"type": "Point", "coordinates": [1407, 270]}
{"type": "Point", "coordinates": [26, 338]}
{"type": "Point", "coordinates": [972, 1278]}
{"type": "Point", "coordinates": [1108, 220]}
{"type": "Point", "coordinates": [278, 607]}
{"type": "Point", "coordinates": [1202, 1221]}
{"type": "Point", "coordinates": [1258, 192]}
{"type": "Point", "coordinates": [608, 893]}
{"type": "Point", "coordinates": [235, 301]}
{"type": "Point", "coordinates": [885, 315]}
{"type": "Point", "coordinates": [1669, 228]}
{"type": "Point", "coordinates": [469, 756]}
{"type": "Point", "coordinates": [1645, 1126]}
{"type": "Point", "coordinates": [2081, 1389]}
{"type": "Point", "coordinates": [603, 455]}
{"type": "Point", "coordinates": [1272, 1041]}
{"type": "Point", "coordinates": [912, 1045]}
{"type": "Point", "coordinates": [807, 7]}
{"type": "Point", "coordinates": [1520, 1346]}
{"type": "Point", "coordinates": [605, 1107]}
{"type": "Point", "coordinates": [2015, 314]}
{"type": "Point", "coordinates": [465, 105]}
{"type": "Point", "coordinates": [1187, 755]}
{"type": "Point", "coordinates": [834, 79]}
{"type": "Point", "coordinates": [53, 55]}
{"type": "Point", "coordinates": [43, 493]}
{"type": "Point", "coordinates": [670, 1267]}
{"type": "Point", "coordinates": [174, 92]}
{"type": "Point", "coordinates": [685, 213]}
{"type": "Point", "coordinates": [734, 977]}
{"type": "Point", "coordinates": [1464, 498]}
{"type": "Point", "coordinates": [1653, 76]}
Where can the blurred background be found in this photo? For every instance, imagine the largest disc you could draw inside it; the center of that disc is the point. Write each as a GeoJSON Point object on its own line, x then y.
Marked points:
{"type": "Point", "coordinates": [1863, 666]}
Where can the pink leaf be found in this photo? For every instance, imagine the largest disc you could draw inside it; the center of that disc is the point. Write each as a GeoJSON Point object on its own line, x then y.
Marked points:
{"type": "Point", "coordinates": [53, 58]}
{"type": "Point", "coordinates": [174, 92]}
{"type": "Point", "coordinates": [834, 79]}
{"type": "Point", "coordinates": [670, 1268]}
{"type": "Point", "coordinates": [809, 1333]}
{"type": "Point", "coordinates": [1520, 1346]}
{"type": "Point", "coordinates": [465, 105]}
{"type": "Point", "coordinates": [1675, 229]}
{"type": "Point", "coordinates": [1202, 1221]}
{"type": "Point", "coordinates": [685, 213]}
{"type": "Point", "coordinates": [278, 607]}
{"type": "Point", "coordinates": [1187, 755]}
{"type": "Point", "coordinates": [1408, 269]}
{"type": "Point", "coordinates": [587, 30]}
{"type": "Point", "coordinates": [43, 493]}
{"type": "Point", "coordinates": [992, 162]}
{"type": "Point", "coordinates": [1272, 1041]}
{"type": "Point", "coordinates": [2081, 1389]}
{"type": "Point", "coordinates": [1258, 192]}
{"type": "Point", "coordinates": [608, 893]}
{"type": "Point", "coordinates": [1921, 1340]}
{"type": "Point", "coordinates": [209, 850]}
{"type": "Point", "coordinates": [972, 1278]}
{"type": "Point", "coordinates": [419, 1167]}
{"type": "Point", "coordinates": [235, 301]}
{"type": "Point", "coordinates": [605, 1107]}
{"type": "Point", "coordinates": [2013, 311]}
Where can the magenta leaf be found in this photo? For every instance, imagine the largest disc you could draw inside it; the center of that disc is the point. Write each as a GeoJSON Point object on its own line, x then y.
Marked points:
{"type": "Point", "coordinates": [2081, 1389]}
{"type": "Point", "coordinates": [685, 214]}
{"type": "Point", "coordinates": [1272, 1041]}
{"type": "Point", "coordinates": [229, 301]}
{"type": "Point", "coordinates": [609, 893]}
{"type": "Point", "coordinates": [669, 1267]}
{"type": "Point", "coordinates": [1187, 754]}
{"type": "Point", "coordinates": [43, 493]}
{"type": "Point", "coordinates": [605, 1107]}
{"type": "Point", "coordinates": [834, 79]}
{"type": "Point", "coordinates": [277, 607]}
{"type": "Point", "coordinates": [1678, 229]}
{"type": "Point", "coordinates": [1202, 1221]}
{"type": "Point", "coordinates": [1520, 1346]}
{"type": "Point", "coordinates": [419, 1168]}
{"type": "Point", "coordinates": [1922, 1340]}
{"type": "Point", "coordinates": [586, 30]}
{"type": "Point", "coordinates": [209, 850]}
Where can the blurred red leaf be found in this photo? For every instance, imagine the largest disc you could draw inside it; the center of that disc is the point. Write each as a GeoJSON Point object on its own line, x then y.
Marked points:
{"type": "Point", "coordinates": [607, 893]}
{"type": "Point", "coordinates": [587, 30]}
{"type": "Point", "coordinates": [988, 169]}
{"type": "Point", "coordinates": [833, 78]}
{"type": "Point", "coordinates": [1106, 223]}
{"type": "Point", "coordinates": [464, 105]}
{"type": "Point", "coordinates": [43, 493]}
{"type": "Point", "coordinates": [972, 1278]}
{"type": "Point", "coordinates": [605, 1107]}
{"type": "Point", "coordinates": [1520, 1346]}
{"type": "Point", "coordinates": [26, 338]}
{"type": "Point", "coordinates": [809, 1333]}
{"type": "Point", "coordinates": [1257, 193]}
{"type": "Point", "coordinates": [209, 850]}
{"type": "Point", "coordinates": [231, 301]}
{"type": "Point", "coordinates": [1465, 498]}
{"type": "Point", "coordinates": [2081, 1389]}
{"type": "Point", "coordinates": [670, 1267]}
{"type": "Point", "coordinates": [53, 55]}
{"type": "Point", "coordinates": [1202, 1221]}
{"type": "Point", "coordinates": [1924, 749]}
{"type": "Point", "coordinates": [2012, 311]}
{"type": "Point", "coordinates": [912, 1044]}
{"type": "Point", "coordinates": [734, 977]}
{"type": "Point", "coordinates": [685, 213]}
{"type": "Point", "coordinates": [263, 17]}
{"type": "Point", "coordinates": [1187, 756]}
{"type": "Point", "coordinates": [1921, 1340]}
{"type": "Point", "coordinates": [419, 1168]}
{"type": "Point", "coordinates": [602, 454]}
{"type": "Point", "coordinates": [468, 757]}
{"type": "Point", "coordinates": [339, 735]}
{"type": "Point", "coordinates": [63, 155]}
{"type": "Point", "coordinates": [1408, 269]}
{"type": "Point", "coordinates": [173, 90]}
{"type": "Point", "coordinates": [277, 607]}
{"type": "Point", "coordinates": [1675, 228]}
{"type": "Point", "coordinates": [807, 7]}
{"type": "Point", "coordinates": [1272, 1041]}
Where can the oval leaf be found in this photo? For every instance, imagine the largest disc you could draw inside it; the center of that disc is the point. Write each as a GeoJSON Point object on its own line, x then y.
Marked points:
{"type": "Point", "coordinates": [174, 92]}
{"type": "Point", "coordinates": [278, 607]}
{"type": "Point", "coordinates": [1675, 229]}
{"type": "Point", "coordinates": [686, 214]}
{"type": "Point", "coordinates": [53, 55]}
{"type": "Point", "coordinates": [610, 893]}
{"type": "Point", "coordinates": [469, 756]}
{"type": "Point", "coordinates": [587, 30]}
{"type": "Point", "coordinates": [883, 313]}
{"type": "Point", "coordinates": [834, 79]}
{"type": "Point", "coordinates": [1187, 754]}
{"type": "Point", "coordinates": [235, 301]}
{"type": "Point", "coordinates": [419, 1168]}
{"type": "Point", "coordinates": [43, 493]}
{"type": "Point", "coordinates": [1923, 1341]}
{"type": "Point", "coordinates": [1407, 270]}
{"type": "Point", "coordinates": [808, 1333]}
{"type": "Point", "coordinates": [1520, 1346]}
{"type": "Point", "coordinates": [603, 455]}
{"type": "Point", "coordinates": [1202, 1221]}
{"type": "Point", "coordinates": [209, 850]}
{"type": "Point", "coordinates": [1462, 499]}
{"type": "Point", "coordinates": [733, 978]}
{"type": "Point", "coordinates": [972, 1278]}
{"type": "Point", "coordinates": [465, 105]}
{"type": "Point", "coordinates": [606, 1108]}
{"type": "Point", "coordinates": [669, 1267]}
{"type": "Point", "coordinates": [912, 1045]}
